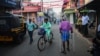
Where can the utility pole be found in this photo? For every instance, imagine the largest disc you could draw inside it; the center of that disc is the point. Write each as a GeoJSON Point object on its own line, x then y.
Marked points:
{"type": "Point", "coordinates": [21, 6]}
{"type": "Point", "coordinates": [42, 6]}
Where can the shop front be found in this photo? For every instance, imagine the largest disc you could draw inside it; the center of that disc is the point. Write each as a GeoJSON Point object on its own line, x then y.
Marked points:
{"type": "Point", "coordinates": [28, 11]}
{"type": "Point", "coordinates": [94, 14]}
{"type": "Point", "coordinates": [70, 13]}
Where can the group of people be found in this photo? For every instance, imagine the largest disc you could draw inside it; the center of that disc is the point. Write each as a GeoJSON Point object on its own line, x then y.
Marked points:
{"type": "Point", "coordinates": [31, 26]}
{"type": "Point", "coordinates": [64, 29]}
{"type": "Point", "coordinates": [82, 24]}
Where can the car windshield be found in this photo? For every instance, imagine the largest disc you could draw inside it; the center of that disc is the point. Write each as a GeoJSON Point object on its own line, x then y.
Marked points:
{"type": "Point", "coordinates": [15, 22]}
{"type": "Point", "coordinates": [4, 23]}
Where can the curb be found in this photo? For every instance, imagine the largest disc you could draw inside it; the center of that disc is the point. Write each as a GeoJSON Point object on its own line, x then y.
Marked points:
{"type": "Point", "coordinates": [81, 36]}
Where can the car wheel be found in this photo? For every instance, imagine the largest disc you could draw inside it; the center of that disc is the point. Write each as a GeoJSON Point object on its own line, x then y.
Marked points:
{"type": "Point", "coordinates": [18, 39]}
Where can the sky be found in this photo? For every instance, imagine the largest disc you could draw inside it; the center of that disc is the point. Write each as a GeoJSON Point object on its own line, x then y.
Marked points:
{"type": "Point", "coordinates": [54, 4]}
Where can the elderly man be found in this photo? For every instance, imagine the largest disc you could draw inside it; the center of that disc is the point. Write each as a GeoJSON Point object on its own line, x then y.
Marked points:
{"type": "Point", "coordinates": [65, 27]}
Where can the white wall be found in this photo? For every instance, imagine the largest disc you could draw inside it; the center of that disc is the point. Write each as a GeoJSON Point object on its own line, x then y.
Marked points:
{"type": "Point", "coordinates": [71, 19]}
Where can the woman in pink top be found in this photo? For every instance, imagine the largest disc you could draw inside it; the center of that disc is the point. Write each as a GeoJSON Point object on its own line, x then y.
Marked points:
{"type": "Point", "coordinates": [65, 27]}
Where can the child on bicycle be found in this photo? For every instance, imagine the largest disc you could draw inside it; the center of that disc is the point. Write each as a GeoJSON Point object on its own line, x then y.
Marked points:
{"type": "Point", "coordinates": [65, 27]}
{"type": "Point", "coordinates": [47, 26]}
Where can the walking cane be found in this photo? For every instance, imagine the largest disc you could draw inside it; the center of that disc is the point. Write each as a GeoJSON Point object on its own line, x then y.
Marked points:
{"type": "Point", "coordinates": [73, 41]}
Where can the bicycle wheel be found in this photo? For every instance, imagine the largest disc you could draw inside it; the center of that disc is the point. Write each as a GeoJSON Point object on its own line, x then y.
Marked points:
{"type": "Point", "coordinates": [41, 43]}
{"type": "Point", "coordinates": [51, 36]}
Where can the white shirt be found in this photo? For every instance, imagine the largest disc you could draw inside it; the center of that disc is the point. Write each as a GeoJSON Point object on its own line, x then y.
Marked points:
{"type": "Point", "coordinates": [85, 20]}
{"type": "Point", "coordinates": [98, 27]}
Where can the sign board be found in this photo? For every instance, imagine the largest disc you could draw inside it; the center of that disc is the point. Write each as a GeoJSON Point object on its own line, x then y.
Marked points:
{"type": "Point", "coordinates": [13, 2]}
{"type": "Point", "coordinates": [40, 13]}
{"type": "Point", "coordinates": [30, 9]}
{"type": "Point", "coordinates": [88, 1]}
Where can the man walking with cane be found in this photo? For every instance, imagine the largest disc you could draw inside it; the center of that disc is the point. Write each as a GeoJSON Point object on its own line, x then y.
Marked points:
{"type": "Point", "coordinates": [65, 27]}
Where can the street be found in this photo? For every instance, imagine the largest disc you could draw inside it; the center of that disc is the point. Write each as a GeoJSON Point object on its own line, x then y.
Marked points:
{"type": "Point", "coordinates": [25, 49]}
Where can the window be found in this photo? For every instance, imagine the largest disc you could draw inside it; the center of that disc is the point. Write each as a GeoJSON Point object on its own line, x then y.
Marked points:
{"type": "Point", "coordinates": [2, 22]}
{"type": "Point", "coordinates": [15, 22]}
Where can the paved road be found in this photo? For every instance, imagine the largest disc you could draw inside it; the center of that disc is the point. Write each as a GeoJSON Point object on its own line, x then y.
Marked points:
{"type": "Point", "coordinates": [25, 49]}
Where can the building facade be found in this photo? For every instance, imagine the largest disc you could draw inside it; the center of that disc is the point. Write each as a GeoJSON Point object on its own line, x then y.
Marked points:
{"type": "Point", "coordinates": [29, 11]}
{"type": "Point", "coordinates": [90, 7]}
{"type": "Point", "coordinates": [69, 10]}
{"type": "Point", "coordinates": [26, 0]}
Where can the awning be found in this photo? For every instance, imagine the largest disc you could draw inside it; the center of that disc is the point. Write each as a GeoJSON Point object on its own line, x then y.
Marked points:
{"type": "Point", "coordinates": [65, 4]}
{"type": "Point", "coordinates": [94, 5]}
{"type": "Point", "coordinates": [87, 10]}
{"type": "Point", "coordinates": [28, 9]}
{"type": "Point", "coordinates": [69, 11]}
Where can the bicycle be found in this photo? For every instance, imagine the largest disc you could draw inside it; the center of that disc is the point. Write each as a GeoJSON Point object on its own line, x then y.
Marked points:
{"type": "Point", "coordinates": [43, 40]}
